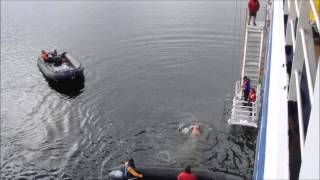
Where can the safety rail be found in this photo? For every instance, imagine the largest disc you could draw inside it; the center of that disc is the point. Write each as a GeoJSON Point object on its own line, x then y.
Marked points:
{"type": "Point", "coordinates": [303, 53]}
{"type": "Point", "coordinates": [243, 112]}
{"type": "Point", "coordinates": [306, 61]}
{"type": "Point", "coordinates": [299, 35]}
{"type": "Point", "coordinates": [300, 111]}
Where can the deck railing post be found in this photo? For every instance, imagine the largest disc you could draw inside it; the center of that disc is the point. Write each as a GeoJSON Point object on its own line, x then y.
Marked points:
{"type": "Point", "coordinates": [300, 111]}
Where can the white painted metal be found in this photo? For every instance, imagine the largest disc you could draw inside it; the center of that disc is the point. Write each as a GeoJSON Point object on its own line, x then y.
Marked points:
{"type": "Point", "coordinates": [297, 7]}
{"type": "Point", "coordinates": [306, 61]}
{"type": "Point", "coordinates": [276, 165]}
{"type": "Point", "coordinates": [253, 53]}
{"type": "Point", "coordinates": [300, 111]}
{"type": "Point", "coordinates": [310, 161]}
{"type": "Point", "coordinates": [276, 155]}
{"type": "Point", "coordinates": [292, 35]}
{"type": "Point", "coordinates": [243, 114]}
{"type": "Point", "coordinates": [303, 48]}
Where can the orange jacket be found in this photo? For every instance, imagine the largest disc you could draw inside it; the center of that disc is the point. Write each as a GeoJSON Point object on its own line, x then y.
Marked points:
{"type": "Point", "coordinates": [133, 171]}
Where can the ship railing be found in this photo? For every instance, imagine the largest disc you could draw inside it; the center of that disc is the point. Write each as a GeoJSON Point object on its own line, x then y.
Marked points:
{"type": "Point", "coordinates": [304, 74]}
{"type": "Point", "coordinates": [299, 35]}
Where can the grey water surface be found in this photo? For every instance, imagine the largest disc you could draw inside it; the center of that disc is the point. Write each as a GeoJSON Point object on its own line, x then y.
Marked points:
{"type": "Point", "coordinates": [150, 67]}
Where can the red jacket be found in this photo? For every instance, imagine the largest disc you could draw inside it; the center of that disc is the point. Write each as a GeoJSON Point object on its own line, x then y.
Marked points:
{"type": "Point", "coordinates": [252, 96]}
{"type": "Point", "coordinates": [186, 176]}
{"type": "Point", "coordinates": [253, 5]}
{"type": "Point", "coordinates": [44, 56]}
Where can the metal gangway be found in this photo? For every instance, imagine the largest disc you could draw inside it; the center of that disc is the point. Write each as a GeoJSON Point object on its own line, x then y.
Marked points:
{"type": "Point", "coordinates": [242, 112]}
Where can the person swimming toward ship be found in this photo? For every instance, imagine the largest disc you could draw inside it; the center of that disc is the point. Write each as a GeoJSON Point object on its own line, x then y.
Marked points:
{"type": "Point", "coordinates": [194, 130]}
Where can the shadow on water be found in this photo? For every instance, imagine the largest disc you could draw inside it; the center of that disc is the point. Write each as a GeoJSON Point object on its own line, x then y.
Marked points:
{"type": "Point", "coordinates": [70, 88]}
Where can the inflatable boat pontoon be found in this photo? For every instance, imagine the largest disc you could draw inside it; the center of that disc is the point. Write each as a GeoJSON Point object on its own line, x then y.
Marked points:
{"type": "Point", "coordinates": [67, 68]}
{"type": "Point", "coordinates": [165, 173]}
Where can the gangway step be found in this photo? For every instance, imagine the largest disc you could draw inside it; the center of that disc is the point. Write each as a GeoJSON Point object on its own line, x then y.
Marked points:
{"type": "Point", "coordinates": [252, 63]}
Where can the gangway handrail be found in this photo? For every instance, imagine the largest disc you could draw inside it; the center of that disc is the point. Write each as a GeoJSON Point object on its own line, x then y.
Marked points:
{"type": "Point", "coordinates": [297, 7]}
{"type": "Point", "coordinates": [260, 54]}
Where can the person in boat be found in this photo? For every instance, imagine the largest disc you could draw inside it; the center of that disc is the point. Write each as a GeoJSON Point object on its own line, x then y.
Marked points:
{"type": "Point", "coordinates": [129, 170]}
{"type": "Point", "coordinates": [253, 6]}
{"type": "Point", "coordinates": [53, 53]}
{"type": "Point", "coordinates": [186, 174]}
{"type": "Point", "coordinates": [246, 87]}
{"type": "Point", "coordinates": [54, 58]}
{"type": "Point", "coordinates": [195, 130]}
{"type": "Point", "coordinates": [44, 55]}
{"type": "Point", "coordinates": [252, 98]}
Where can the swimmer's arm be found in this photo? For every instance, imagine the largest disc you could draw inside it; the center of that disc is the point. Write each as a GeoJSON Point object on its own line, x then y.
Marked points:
{"type": "Point", "coordinates": [134, 173]}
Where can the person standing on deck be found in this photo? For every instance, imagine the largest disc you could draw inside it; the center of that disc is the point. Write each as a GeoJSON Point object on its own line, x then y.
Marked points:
{"type": "Point", "coordinates": [253, 6]}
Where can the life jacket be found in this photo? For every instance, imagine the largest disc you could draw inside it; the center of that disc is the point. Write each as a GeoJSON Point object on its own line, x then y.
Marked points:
{"type": "Point", "coordinates": [129, 172]}
{"type": "Point", "coordinates": [186, 176]}
{"type": "Point", "coordinates": [252, 97]}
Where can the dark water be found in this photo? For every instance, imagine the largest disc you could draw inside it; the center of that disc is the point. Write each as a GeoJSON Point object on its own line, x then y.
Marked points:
{"type": "Point", "coordinates": [150, 67]}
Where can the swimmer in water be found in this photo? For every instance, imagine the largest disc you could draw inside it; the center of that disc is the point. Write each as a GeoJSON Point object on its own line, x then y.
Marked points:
{"type": "Point", "coordinates": [195, 130]}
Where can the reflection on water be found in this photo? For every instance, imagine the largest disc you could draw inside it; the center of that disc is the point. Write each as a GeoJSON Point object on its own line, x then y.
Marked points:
{"type": "Point", "coordinates": [149, 67]}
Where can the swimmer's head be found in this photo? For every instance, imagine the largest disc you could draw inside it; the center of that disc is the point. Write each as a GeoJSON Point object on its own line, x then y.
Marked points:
{"type": "Point", "coordinates": [195, 130]}
{"type": "Point", "coordinates": [195, 126]}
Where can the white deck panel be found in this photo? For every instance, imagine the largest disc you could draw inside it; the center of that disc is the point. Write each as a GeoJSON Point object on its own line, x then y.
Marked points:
{"type": "Point", "coordinates": [277, 151]}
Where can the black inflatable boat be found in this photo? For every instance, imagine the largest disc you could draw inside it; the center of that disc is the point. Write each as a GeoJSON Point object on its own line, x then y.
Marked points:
{"type": "Point", "coordinates": [63, 67]}
{"type": "Point", "coordinates": [165, 173]}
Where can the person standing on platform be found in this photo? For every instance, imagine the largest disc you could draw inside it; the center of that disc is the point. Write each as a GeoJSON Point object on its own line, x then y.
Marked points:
{"type": "Point", "coordinates": [253, 6]}
{"type": "Point", "coordinates": [251, 99]}
{"type": "Point", "coordinates": [246, 87]}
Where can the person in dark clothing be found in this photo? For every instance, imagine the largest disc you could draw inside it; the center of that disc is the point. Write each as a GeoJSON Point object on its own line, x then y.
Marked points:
{"type": "Point", "coordinates": [246, 87]}
{"type": "Point", "coordinates": [129, 171]}
{"type": "Point", "coordinates": [186, 174]}
{"type": "Point", "coordinates": [253, 6]}
{"type": "Point", "coordinates": [54, 58]}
